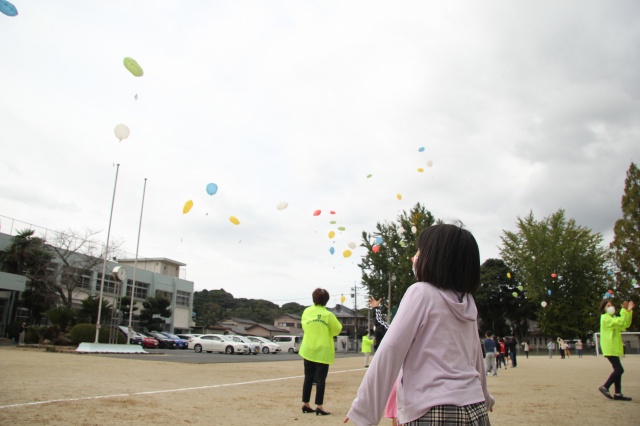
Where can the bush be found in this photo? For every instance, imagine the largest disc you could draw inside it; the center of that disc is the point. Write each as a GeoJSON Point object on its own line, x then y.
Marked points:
{"type": "Point", "coordinates": [36, 334]}
{"type": "Point", "coordinates": [62, 341]}
{"type": "Point", "coordinates": [87, 333]}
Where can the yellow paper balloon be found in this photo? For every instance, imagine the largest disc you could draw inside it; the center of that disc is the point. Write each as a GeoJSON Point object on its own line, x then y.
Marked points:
{"type": "Point", "coordinates": [346, 253]}
{"type": "Point", "coordinates": [342, 299]}
{"type": "Point", "coordinates": [420, 169]}
{"type": "Point", "coordinates": [133, 67]}
{"type": "Point", "coordinates": [332, 234]}
{"type": "Point", "coordinates": [187, 207]}
{"type": "Point", "coordinates": [399, 196]}
{"type": "Point", "coordinates": [234, 220]}
{"type": "Point", "coordinates": [509, 275]}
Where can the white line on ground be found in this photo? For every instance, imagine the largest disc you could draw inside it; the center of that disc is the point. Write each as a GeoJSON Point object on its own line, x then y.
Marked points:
{"type": "Point", "coordinates": [87, 398]}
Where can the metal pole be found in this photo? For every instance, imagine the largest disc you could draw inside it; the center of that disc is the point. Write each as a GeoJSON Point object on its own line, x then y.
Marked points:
{"type": "Point", "coordinates": [389, 311]}
{"type": "Point", "coordinates": [106, 251]}
{"type": "Point", "coordinates": [135, 265]}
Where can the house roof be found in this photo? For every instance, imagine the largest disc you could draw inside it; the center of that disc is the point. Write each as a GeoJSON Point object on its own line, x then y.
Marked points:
{"type": "Point", "coordinates": [238, 320]}
{"type": "Point", "coordinates": [153, 259]}
{"type": "Point", "coordinates": [269, 328]}
{"type": "Point", "coordinates": [294, 316]}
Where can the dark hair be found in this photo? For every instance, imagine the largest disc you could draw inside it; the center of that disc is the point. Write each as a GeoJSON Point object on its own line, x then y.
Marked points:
{"type": "Point", "coordinates": [449, 258]}
{"type": "Point", "coordinates": [320, 296]}
{"type": "Point", "coordinates": [603, 305]}
{"type": "Point", "coordinates": [488, 334]}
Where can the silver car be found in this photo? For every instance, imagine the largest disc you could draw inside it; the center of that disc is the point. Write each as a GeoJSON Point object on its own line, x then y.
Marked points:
{"type": "Point", "coordinates": [266, 345]}
{"type": "Point", "coordinates": [253, 346]}
{"type": "Point", "coordinates": [217, 343]}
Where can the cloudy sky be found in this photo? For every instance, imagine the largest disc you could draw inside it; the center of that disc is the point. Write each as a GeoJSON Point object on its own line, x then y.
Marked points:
{"type": "Point", "coordinates": [519, 107]}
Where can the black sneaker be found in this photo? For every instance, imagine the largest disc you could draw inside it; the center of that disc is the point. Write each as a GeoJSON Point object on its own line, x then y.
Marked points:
{"type": "Point", "coordinates": [605, 392]}
{"type": "Point", "coordinates": [621, 397]}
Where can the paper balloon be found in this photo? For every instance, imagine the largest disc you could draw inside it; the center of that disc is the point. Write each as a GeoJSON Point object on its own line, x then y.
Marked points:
{"type": "Point", "coordinates": [342, 299]}
{"type": "Point", "coordinates": [341, 228]}
{"type": "Point", "coordinates": [332, 250]}
{"type": "Point", "coordinates": [514, 294]}
{"type": "Point", "coordinates": [609, 272]}
{"type": "Point", "coordinates": [400, 229]}
{"type": "Point", "coordinates": [133, 67]}
{"type": "Point", "coordinates": [399, 196]}
{"type": "Point", "coordinates": [421, 149]}
{"type": "Point", "coordinates": [8, 8]}
{"type": "Point", "coordinates": [520, 288]}
{"type": "Point", "coordinates": [332, 212]}
{"type": "Point", "coordinates": [420, 170]}
{"type": "Point", "coordinates": [369, 175]}
{"type": "Point", "coordinates": [234, 220]}
{"type": "Point", "coordinates": [544, 304]}
{"type": "Point", "coordinates": [429, 163]}
{"type": "Point", "coordinates": [352, 246]}
{"type": "Point", "coordinates": [346, 253]}
{"type": "Point", "coordinates": [333, 222]}
{"type": "Point", "coordinates": [317, 213]}
{"type": "Point", "coordinates": [403, 244]}
{"type": "Point", "coordinates": [187, 207]}
{"type": "Point", "coordinates": [414, 229]}
{"type": "Point", "coordinates": [554, 275]}
{"type": "Point", "coordinates": [282, 205]}
{"type": "Point", "coordinates": [375, 249]}
{"type": "Point", "coordinates": [379, 240]}
{"type": "Point", "coordinates": [121, 131]}
{"type": "Point", "coordinates": [610, 291]}
{"type": "Point", "coordinates": [549, 292]}
{"type": "Point", "coordinates": [509, 275]}
{"type": "Point", "coordinates": [212, 188]}
{"type": "Point", "coordinates": [634, 281]}
{"type": "Point", "coordinates": [332, 234]}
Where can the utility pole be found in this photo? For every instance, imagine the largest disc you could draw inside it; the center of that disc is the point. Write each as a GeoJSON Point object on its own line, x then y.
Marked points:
{"type": "Point", "coordinates": [355, 315]}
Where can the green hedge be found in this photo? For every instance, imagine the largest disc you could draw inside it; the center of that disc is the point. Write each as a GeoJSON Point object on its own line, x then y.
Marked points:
{"type": "Point", "coordinates": [87, 333]}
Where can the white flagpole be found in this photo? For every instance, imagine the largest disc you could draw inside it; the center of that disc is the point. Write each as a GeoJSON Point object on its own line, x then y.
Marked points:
{"type": "Point", "coordinates": [106, 252]}
{"type": "Point", "coordinates": [135, 265]}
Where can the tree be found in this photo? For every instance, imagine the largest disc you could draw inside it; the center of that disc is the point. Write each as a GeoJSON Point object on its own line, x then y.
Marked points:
{"type": "Point", "coordinates": [397, 245]}
{"type": "Point", "coordinates": [89, 310]}
{"type": "Point", "coordinates": [29, 256]}
{"type": "Point", "coordinates": [258, 310]}
{"type": "Point", "coordinates": [155, 306]}
{"type": "Point", "coordinates": [292, 308]}
{"type": "Point", "coordinates": [61, 317]}
{"type": "Point", "coordinates": [562, 264]}
{"type": "Point", "coordinates": [125, 306]}
{"type": "Point", "coordinates": [212, 306]}
{"type": "Point", "coordinates": [79, 255]}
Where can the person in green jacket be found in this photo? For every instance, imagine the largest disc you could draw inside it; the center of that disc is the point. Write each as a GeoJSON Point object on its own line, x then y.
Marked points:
{"type": "Point", "coordinates": [611, 328]}
{"type": "Point", "coordinates": [367, 342]}
{"type": "Point", "coordinates": [320, 326]}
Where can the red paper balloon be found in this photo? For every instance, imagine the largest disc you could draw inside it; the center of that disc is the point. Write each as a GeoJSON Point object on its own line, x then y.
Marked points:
{"type": "Point", "coordinates": [375, 249]}
{"type": "Point", "coordinates": [554, 275]}
{"type": "Point", "coordinates": [332, 212]}
{"type": "Point", "coordinates": [317, 213]}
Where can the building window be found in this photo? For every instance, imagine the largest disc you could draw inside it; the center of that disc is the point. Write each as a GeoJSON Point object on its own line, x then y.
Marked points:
{"type": "Point", "coordinates": [165, 295]}
{"type": "Point", "coordinates": [110, 284]}
{"type": "Point", "coordinates": [182, 298]}
{"type": "Point", "coordinates": [81, 278]}
{"type": "Point", "coordinates": [142, 289]}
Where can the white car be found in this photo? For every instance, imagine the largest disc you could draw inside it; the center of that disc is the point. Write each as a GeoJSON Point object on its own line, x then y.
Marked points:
{"type": "Point", "coordinates": [253, 346]}
{"type": "Point", "coordinates": [217, 343]}
{"type": "Point", "coordinates": [266, 345]}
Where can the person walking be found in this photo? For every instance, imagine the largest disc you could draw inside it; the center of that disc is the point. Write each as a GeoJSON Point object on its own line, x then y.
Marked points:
{"type": "Point", "coordinates": [490, 357]}
{"type": "Point", "coordinates": [611, 328]}
{"type": "Point", "coordinates": [513, 348]}
{"type": "Point", "coordinates": [561, 347]}
{"type": "Point", "coordinates": [320, 326]}
{"type": "Point", "coordinates": [432, 348]}
{"type": "Point", "coordinates": [367, 342]}
{"type": "Point", "coordinates": [526, 348]}
{"type": "Point", "coordinates": [567, 350]}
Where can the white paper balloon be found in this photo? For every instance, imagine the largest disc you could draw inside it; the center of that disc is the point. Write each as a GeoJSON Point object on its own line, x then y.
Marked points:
{"type": "Point", "coordinates": [352, 246]}
{"type": "Point", "coordinates": [544, 304]}
{"type": "Point", "coordinates": [122, 132]}
{"type": "Point", "coordinates": [414, 229]}
{"type": "Point", "coordinates": [282, 205]}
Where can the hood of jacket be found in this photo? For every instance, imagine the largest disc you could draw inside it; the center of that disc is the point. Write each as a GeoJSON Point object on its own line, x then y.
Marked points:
{"type": "Point", "coordinates": [462, 305]}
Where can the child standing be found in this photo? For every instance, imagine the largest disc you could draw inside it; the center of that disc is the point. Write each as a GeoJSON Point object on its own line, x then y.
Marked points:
{"type": "Point", "coordinates": [367, 342]}
{"type": "Point", "coordinates": [439, 381]}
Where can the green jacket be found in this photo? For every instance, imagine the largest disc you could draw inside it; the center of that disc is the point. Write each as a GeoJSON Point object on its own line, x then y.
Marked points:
{"type": "Point", "coordinates": [366, 344]}
{"type": "Point", "coordinates": [610, 329]}
{"type": "Point", "coordinates": [319, 326]}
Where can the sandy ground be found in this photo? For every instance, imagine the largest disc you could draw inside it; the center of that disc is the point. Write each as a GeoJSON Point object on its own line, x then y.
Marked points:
{"type": "Point", "coordinates": [38, 387]}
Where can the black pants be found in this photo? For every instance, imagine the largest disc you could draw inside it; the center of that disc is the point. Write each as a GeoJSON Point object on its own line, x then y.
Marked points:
{"type": "Point", "coordinates": [314, 372]}
{"type": "Point", "coordinates": [616, 377]}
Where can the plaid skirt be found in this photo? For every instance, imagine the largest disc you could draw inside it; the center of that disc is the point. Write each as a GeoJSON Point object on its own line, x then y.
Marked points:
{"type": "Point", "coordinates": [453, 415]}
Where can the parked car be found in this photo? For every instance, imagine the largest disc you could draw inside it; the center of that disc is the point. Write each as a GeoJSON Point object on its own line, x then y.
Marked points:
{"type": "Point", "coordinates": [289, 343]}
{"type": "Point", "coordinates": [165, 342]}
{"type": "Point", "coordinates": [188, 337]}
{"type": "Point", "coordinates": [254, 347]}
{"type": "Point", "coordinates": [217, 343]}
{"type": "Point", "coordinates": [139, 339]}
{"type": "Point", "coordinates": [266, 345]}
{"type": "Point", "coordinates": [180, 343]}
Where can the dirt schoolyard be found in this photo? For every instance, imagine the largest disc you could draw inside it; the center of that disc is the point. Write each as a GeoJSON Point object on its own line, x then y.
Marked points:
{"type": "Point", "coordinates": [38, 387]}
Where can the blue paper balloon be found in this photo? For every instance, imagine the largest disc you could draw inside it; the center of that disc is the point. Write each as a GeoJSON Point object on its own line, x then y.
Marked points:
{"type": "Point", "coordinates": [421, 149]}
{"type": "Point", "coordinates": [379, 240]}
{"type": "Point", "coordinates": [549, 292]}
{"type": "Point", "coordinates": [7, 8]}
{"type": "Point", "coordinates": [332, 250]}
{"type": "Point", "coordinates": [212, 188]}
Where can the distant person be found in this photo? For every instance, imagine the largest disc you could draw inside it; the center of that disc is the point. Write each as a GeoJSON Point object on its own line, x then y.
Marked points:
{"type": "Point", "coordinates": [611, 328]}
{"type": "Point", "coordinates": [513, 348]}
{"type": "Point", "coordinates": [552, 347]}
{"type": "Point", "coordinates": [490, 358]}
{"type": "Point", "coordinates": [561, 347]}
{"type": "Point", "coordinates": [525, 344]}
{"type": "Point", "coordinates": [567, 350]}
{"type": "Point", "coordinates": [432, 348]}
{"type": "Point", "coordinates": [367, 343]}
{"type": "Point", "coordinates": [579, 348]}
{"type": "Point", "coordinates": [343, 342]}
{"type": "Point", "coordinates": [320, 326]}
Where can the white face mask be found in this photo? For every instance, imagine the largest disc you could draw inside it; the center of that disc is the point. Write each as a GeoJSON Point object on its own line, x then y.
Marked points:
{"type": "Point", "coordinates": [611, 310]}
